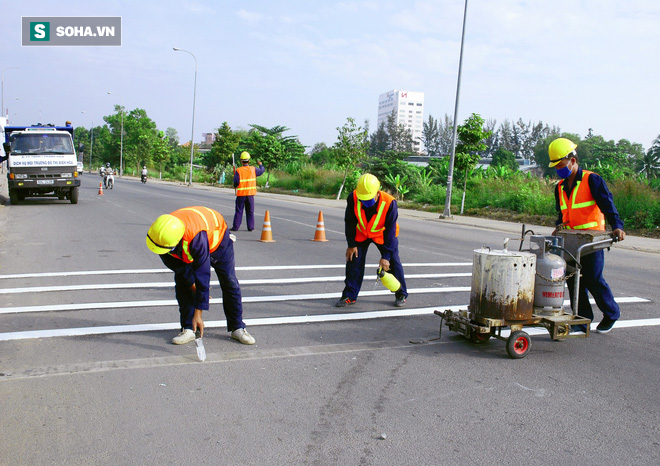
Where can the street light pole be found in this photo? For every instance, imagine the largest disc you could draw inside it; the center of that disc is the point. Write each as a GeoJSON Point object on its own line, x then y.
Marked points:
{"type": "Point", "coordinates": [91, 147]}
{"type": "Point", "coordinates": [447, 211]}
{"type": "Point", "coordinates": [121, 136]}
{"type": "Point", "coordinates": [3, 87]}
{"type": "Point", "coordinates": [192, 136]}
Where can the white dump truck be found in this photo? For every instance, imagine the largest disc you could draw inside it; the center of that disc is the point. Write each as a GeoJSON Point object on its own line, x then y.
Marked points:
{"type": "Point", "coordinates": [41, 161]}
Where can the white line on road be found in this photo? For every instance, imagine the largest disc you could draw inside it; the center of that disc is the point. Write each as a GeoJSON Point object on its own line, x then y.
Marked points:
{"type": "Point", "coordinates": [265, 281]}
{"type": "Point", "coordinates": [69, 332]}
{"type": "Point", "coordinates": [247, 268]}
{"type": "Point", "coordinates": [249, 299]}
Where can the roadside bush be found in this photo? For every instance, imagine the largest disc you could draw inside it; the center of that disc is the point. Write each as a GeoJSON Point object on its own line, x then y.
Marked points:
{"type": "Point", "coordinates": [309, 179]}
{"type": "Point", "coordinates": [433, 194]}
{"type": "Point", "coordinates": [638, 204]}
{"type": "Point", "coordinates": [517, 193]}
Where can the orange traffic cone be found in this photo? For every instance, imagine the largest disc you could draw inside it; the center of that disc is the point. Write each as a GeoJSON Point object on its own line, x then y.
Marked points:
{"type": "Point", "coordinates": [266, 232]}
{"type": "Point", "coordinates": [101, 188]}
{"type": "Point", "coordinates": [320, 229]}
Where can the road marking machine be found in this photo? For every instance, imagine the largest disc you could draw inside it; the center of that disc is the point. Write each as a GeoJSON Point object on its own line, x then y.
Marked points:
{"type": "Point", "coordinates": [525, 288]}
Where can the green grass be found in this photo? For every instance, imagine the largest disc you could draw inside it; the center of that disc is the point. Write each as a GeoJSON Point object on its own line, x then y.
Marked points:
{"type": "Point", "coordinates": [503, 194]}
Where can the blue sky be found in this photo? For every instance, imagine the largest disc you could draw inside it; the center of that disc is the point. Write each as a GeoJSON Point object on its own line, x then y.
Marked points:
{"type": "Point", "coordinates": [309, 65]}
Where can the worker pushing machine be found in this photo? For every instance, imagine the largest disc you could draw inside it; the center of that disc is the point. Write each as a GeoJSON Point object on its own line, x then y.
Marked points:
{"type": "Point", "coordinates": [583, 202]}
{"type": "Point", "coordinates": [371, 217]}
{"type": "Point", "coordinates": [245, 182]}
{"type": "Point", "coordinates": [190, 241]}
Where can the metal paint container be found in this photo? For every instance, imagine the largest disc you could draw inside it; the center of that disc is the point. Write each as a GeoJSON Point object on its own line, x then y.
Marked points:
{"type": "Point", "coordinates": [502, 284]}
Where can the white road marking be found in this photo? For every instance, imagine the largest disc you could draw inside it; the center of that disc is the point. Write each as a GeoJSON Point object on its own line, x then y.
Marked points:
{"type": "Point", "coordinates": [619, 324]}
{"type": "Point", "coordinates": [69, 332]}
{"type": "Point", "coordinates": [265, 281]}
{"type": "Point", "coordinates": [248, 299]}
{"type": "Point", "coordinates": [247, 268]}
{"type": "Point", "coordinates": [337, 317]}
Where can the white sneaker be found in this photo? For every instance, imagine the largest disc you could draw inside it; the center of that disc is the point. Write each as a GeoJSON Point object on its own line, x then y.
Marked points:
{"type": "Point", "coordinates": [186, 336]}
{"type": "Point", "coordinates": [243, 336]}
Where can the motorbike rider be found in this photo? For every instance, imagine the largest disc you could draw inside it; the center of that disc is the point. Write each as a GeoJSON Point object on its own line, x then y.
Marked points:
{"type": "Point", "coordinates": [106, 172]}
{"type": "Point", "coordinates": [144, 173]}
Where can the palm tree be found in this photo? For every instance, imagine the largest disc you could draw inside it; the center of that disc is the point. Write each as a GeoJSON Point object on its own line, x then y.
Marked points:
{"type": "Point", "coordinates": [650, 163]}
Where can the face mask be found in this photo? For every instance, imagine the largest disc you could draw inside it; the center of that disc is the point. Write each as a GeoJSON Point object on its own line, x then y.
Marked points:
{"type": "Point", "coordinates": [563, 172]}
{"type": "Point", "coordinates": [369, 203]}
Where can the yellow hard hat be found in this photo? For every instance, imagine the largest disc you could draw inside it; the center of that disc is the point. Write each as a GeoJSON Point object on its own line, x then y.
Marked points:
{"type": "Point", "coordinates": [559, 149]}
{"type": "Point", "coordinates": [165, 233]}
{"type": "Point", "coordinates": [245, 156]}
{"type": "Point", "coordinates": [367, 187]}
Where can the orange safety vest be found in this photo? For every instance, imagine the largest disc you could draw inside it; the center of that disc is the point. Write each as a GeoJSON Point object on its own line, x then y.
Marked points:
{"type": "Point", "coordinates": [373, 229]}
{"type": "Point", "coordinates": [247, 184]}
{"type": "Point", "coordinates": [197, 219]}
{"type": "Point", "coordinates": [580, 212]}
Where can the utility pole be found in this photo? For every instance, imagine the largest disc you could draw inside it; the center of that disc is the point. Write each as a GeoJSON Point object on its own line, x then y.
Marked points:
{"type": "Point", "coordinates": [447, 211]}
{"type": "Point", "coordinates": [192, 136]}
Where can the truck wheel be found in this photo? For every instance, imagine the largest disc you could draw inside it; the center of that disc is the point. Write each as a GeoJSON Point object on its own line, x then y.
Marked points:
{"type": "Point", "coordinates": [518, 344]}
{"type": "Point", "coordinates": [73, 195]}
{"type": "Point", "coordinates": [13, 196]}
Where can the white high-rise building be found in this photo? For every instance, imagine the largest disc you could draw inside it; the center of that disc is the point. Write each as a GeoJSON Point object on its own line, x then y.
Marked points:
{"type": "Point", "coordinates": [408, 109]}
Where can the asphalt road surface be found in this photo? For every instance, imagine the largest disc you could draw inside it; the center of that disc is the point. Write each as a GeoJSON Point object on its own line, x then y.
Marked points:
{"type": "Point", "coordinates": [88, 374]}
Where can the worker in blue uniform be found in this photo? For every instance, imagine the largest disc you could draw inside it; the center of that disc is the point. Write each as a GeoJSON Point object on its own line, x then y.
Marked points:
{"type": "Point", "coordinates": [245, 182]}
{"type": "Point", "coordinates": [190, 241]}
{"type": "Point", "coordinates": [583, 202]}
{"type": "Point", "coordinates": [371, 217]}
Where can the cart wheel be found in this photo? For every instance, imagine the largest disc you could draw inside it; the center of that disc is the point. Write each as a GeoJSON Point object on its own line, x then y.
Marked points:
{"type": "Point", "coordinates": [518, 344]}
{"type": "Point", "coordinates": [476, 337]}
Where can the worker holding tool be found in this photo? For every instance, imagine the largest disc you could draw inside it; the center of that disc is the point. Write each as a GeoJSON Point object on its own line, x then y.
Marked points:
{"type": "Point", "coordinates": [245, 182]}
{"type": "Point", "coordinates": [190, 241]}
{"type": "Point", "coordinates": [371, 217]}
{"type": "Point", "coordinates": [583, 203]}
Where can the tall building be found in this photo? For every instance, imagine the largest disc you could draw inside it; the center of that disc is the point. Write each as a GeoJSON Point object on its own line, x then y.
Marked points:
{"type": "Point", "coordinates": [208, 138]}
{"type": "Point", "coordinates": [408, 109]}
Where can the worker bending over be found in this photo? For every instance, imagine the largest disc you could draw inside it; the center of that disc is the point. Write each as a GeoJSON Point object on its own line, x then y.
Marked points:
{"type": "Point", "coordinates": [190, 241]}
{"type": "Point", "coordinates": [371, 217]}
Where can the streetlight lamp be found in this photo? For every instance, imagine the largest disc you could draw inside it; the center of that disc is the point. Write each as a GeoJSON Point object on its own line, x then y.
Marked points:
{"type": "Point", "coordinates": [3, 87]}
{"type": "Point", "coordinates": [192, 136]}
{"type": "Point", "coordinates": [121, 136]}
{"type": "Point", "coordinates": [447, 211]}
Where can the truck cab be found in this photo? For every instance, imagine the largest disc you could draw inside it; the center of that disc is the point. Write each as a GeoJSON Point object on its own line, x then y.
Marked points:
{"type": "Point", "coordinates": [42, 161]}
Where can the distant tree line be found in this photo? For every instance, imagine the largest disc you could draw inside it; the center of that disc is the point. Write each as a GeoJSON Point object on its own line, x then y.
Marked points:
{"type": "Point", "coordinates": [382, 151]}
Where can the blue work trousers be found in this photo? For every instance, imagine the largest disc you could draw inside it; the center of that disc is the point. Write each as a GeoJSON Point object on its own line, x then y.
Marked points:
{"type": "Point", "coordinates": [355, 269]}
{"type": "Point", "coordinates": [222, 261]}
{"type": "Point", "coordinates": [592, 280]}
{"type": "Point", "coordinates": [246, 202]}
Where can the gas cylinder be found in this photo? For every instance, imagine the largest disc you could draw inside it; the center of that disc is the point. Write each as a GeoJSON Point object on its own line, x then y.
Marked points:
{"type": "Point", "coordinates": [502, 285]}
{"type": "Point", "coordinates": [549, 286]}
{"type": "Point", "coordinates": [389, 280]}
